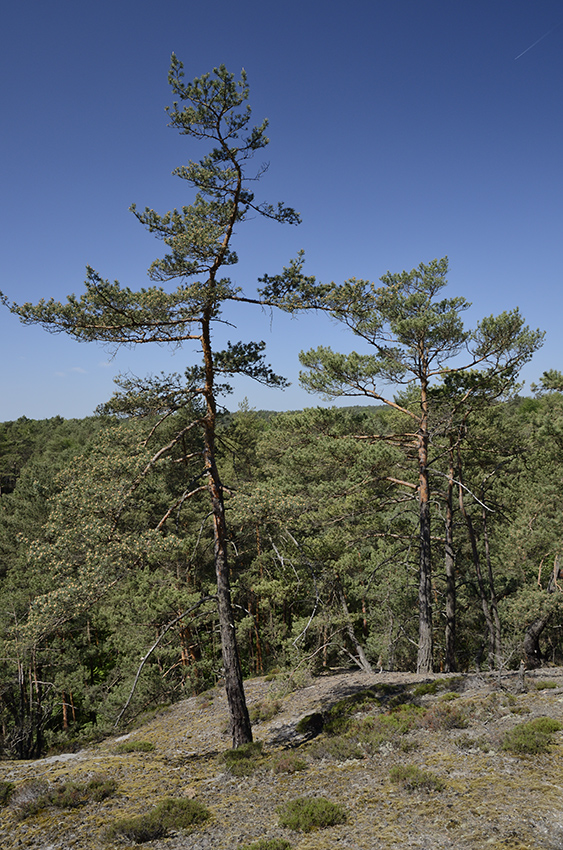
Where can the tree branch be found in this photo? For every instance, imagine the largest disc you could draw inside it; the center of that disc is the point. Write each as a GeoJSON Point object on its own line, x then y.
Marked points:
{"type": "Point", "coordinates": [154, 646]}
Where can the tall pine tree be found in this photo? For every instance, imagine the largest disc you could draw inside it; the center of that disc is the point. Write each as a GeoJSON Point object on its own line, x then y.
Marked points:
{"type": "Point", "coordinates": [198, 237]}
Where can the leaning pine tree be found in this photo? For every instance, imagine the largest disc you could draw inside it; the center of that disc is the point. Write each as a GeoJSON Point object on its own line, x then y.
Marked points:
{"type": "Point", "coordinates": [198, 238]}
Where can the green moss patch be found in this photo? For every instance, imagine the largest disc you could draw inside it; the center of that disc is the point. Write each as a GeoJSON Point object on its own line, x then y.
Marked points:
{"type": "Point", "coordinates": [135, 747]}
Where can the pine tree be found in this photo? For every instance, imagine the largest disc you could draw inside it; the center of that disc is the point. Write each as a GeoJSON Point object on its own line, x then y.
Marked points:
{"type": "Point", "coordinates": [212, 108]}
{"type": "Point", "coordinates": [415, 336]}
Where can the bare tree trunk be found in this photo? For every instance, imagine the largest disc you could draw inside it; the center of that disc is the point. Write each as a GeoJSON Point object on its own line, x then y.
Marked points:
{"type": "Point", "coordinates": [425, 638]}
{"type": "Point", "coordinates": [241, 729]}
{"type": "Point", "coordinates": [532, 651]}
{"type": "Point", "coordinates": [360, 657]}
{"type": "Point", "coordinates": [240, 722]}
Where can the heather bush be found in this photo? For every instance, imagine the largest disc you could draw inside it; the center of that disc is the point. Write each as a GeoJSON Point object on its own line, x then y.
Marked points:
{"type": "Point", "coordinates": [288, 763]}
{"type": "Point", "coordinates": [531, 738]}
{"type": "Point", "coordinates": [413, 778]}
{"type": "Point", "coordinates": [244, 760]}
{"type": "Point", "coordinates": [444, 716]}
{"type": "Point", "coordinates": [264, 710]}
{"type": "Point", "coordinates": [6, 791]}
{"type": "Point", "coordinates": [169, 814]}
{"type": "Point", "coordinates": [306, 814]}
{"type": "Point", "coordinates": [341, 748]}
{"type": "Point", "coordinates": [33, 797]}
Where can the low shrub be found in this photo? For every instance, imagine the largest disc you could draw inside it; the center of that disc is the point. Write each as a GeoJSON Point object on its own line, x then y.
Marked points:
{"type": "Point", "coordinates": [33, 797]}
{"type": "Point", "coordinates": [375, 730]}
{"type": "Point", "coordinates": [533, 737]}
{"type": "Point", "coordinates": [402, 719]}
{"type": "Point", "coordinates": [288, 763]}
{"type": "Point", "coordinates": [546, 684]}
{"type": "Point", "coordinates": [135, 747]}
{"type": "Point", "coordinates": [100, 787]}
{"type": "Point", "coordinates": [438, 685]}
{"type": "Point", "coordinates": [306, 814]}
{"type": "Point", "coordinates": [67, 796]}
{"type": "Point", "coordinates": [148, 827]}
{"type": "Point", "coordinates": [268, 844]}
{"type": "Point", "coordinates": [407, 746]}
{"type": "Point", "coordinates": [343, 748]}
{"type": "Point", "coordinates": [444, 716]}
{"type": "Point", "coordinates": [242, 767]}
{"type": "Point", "coordinates": [413, 778]}
{"type": "Point", "coordinates": [6, 791]}
{"type": "Point", "coordinates": [467, 742]}
{"type": "Point", "coordinates": [30, 798]}
{"type": "Point", "coordinates": [365, 735]}
{"type": "Point", "coordinates": [264, 710]}
{"type": "Point", "coordinates": [205, 700]}
{"type": "Point", "coordinates": [169, 814]}
{"type": "Point", "coordinates": [337, 719]}
{"type": "Point", "coordinates": [426, 688]}
{"type": "Point", "coordinates": [287, 683]}
{"type": "Point", "coordinates": [244, 759]}
{"type": "Point", "coordinates": [300, 679]}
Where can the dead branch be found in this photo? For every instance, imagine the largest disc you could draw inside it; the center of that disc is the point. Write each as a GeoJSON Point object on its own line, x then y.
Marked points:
{"type": "Point", "coordinates": [154, 646]}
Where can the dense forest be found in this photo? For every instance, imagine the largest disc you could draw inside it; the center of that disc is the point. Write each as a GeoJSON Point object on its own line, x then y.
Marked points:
{"type": "Point", "coordinates": [106, 553]}
{"type": "Point", "coordinates": [165, 543]}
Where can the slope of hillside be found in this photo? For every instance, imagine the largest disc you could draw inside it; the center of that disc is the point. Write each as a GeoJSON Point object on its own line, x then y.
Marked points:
{"type": "Point", "coordinates": [349, 738]}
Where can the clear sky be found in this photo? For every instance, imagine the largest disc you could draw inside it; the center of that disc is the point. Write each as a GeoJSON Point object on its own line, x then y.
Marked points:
{"type": "Point", "coordinates": [401, 130]}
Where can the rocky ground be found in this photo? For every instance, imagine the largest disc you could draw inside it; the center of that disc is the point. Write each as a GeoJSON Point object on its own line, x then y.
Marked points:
{"type": "Point", "coordinates": [490, 798]}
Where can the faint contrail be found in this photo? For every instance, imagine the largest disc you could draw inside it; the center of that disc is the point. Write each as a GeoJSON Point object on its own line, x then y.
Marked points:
{"type": "Point", "coordinates": [541, 38]}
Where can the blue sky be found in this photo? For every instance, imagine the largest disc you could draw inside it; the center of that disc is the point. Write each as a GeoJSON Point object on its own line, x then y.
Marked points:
{"type": "Point", "coordinates": [401, 130]}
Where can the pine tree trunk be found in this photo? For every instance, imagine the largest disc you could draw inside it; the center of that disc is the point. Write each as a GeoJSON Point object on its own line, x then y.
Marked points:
{"type": "Point", "coordinates": [241, 729]}
{"type": "Point", "coordinates": [532, 649]}
{"type": "Point", "coordinates": [240, 722]}
{"type": "Point", "coordinates": [425, 639]}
